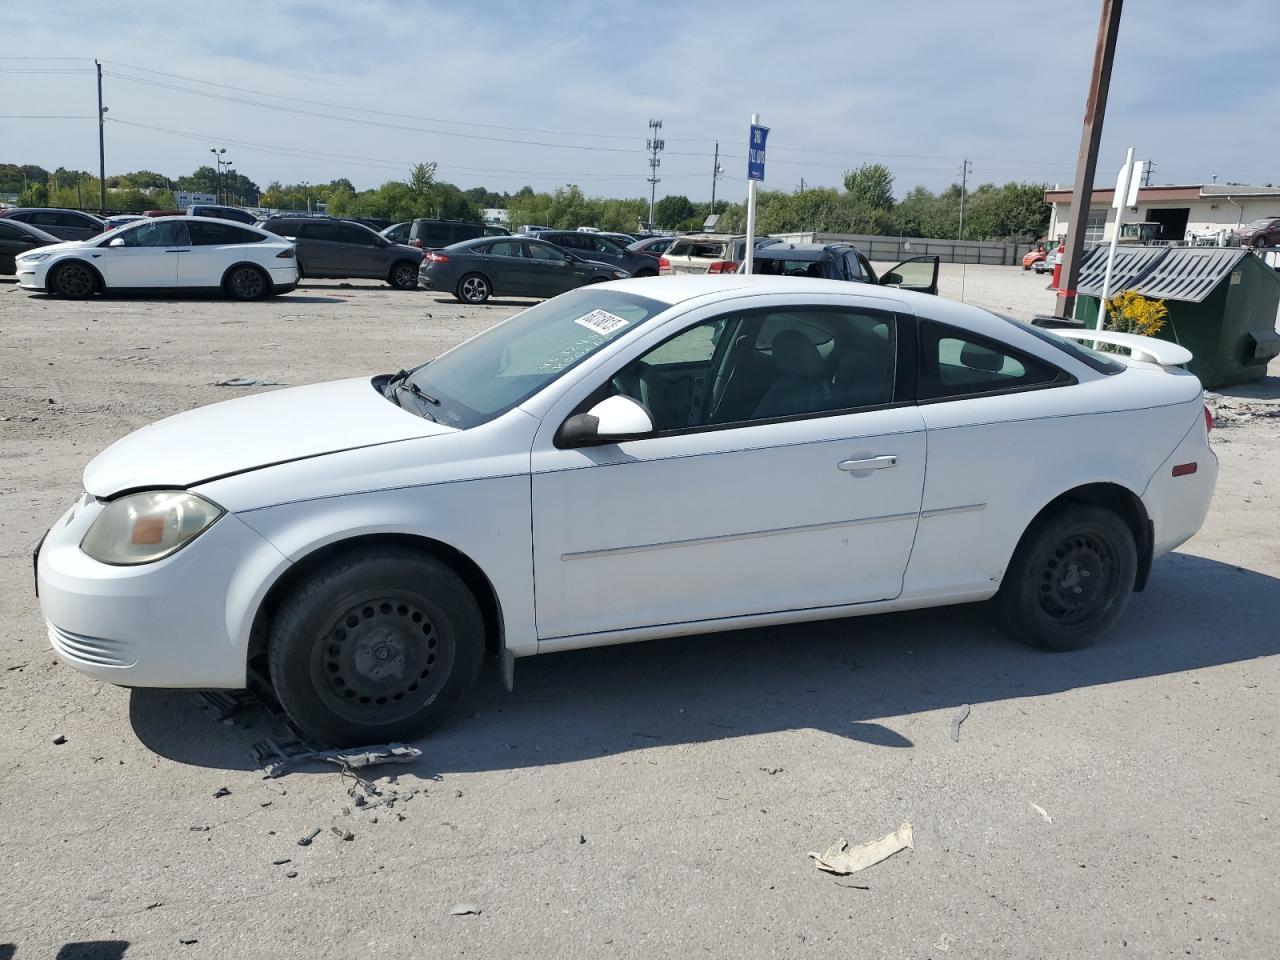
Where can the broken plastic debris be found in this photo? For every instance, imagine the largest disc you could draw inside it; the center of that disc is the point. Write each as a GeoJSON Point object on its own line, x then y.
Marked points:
{"type": "Point", "coordinates": [221, 792]}
{"type": "Point", "coordinates": [249, 382]}
{"type": "Point", "coordinates": [958, 719]}
{"type": "Point", "coordinates": [306, 841]}
{"type": "Point", "coordinates": [842, 859]}
{"type": "Point", "coordinates": [346, 759]}
{"type": "Point", "coordinates": [1043, 812]}
{"type": "Point", "coordinates": [464, 909]}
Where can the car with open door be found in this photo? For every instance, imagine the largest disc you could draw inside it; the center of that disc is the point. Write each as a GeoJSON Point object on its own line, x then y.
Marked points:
{"type": "Point", "coordinates": [626, 461]}
{"type": "Point", "coordinates": [185, 254]}
{"type": "Point", "coordinates": [842, 261]}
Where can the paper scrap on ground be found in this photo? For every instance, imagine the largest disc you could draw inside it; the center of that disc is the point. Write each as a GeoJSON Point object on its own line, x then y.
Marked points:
{"type": "Point", "coordinates": [249, 382]}
{"type": "Point", "coordinates": [1044, 813]}
{"type": "Point", "coordinates": [958, 719]}
{"type": "Point", "coordinates": [842, 859]}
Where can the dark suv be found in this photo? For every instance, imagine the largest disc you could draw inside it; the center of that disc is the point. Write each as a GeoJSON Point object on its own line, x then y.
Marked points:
{"type": "Point", "coordinates": [841, 261]}
{"type": "Point", "coordinates": [337, 249]}
{"type": "Point", "coordinates": [63, 224]}
{"type": "Point", "coordinates": [593, 246]}
{"type": "Point", "coordinates": [430, 234]}
{"type": "Point", "coordinates": [221, 213]}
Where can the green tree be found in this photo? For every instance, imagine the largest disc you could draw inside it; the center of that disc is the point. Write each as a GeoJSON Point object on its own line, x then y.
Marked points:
{"type": "Point", "coordinates": [870, 186]}
{"type": "Point", "coordinates": [673, 211]}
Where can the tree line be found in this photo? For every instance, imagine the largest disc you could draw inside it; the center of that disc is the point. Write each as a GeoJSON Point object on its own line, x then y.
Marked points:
{"type": "Point", "coordinates": [863, 204]}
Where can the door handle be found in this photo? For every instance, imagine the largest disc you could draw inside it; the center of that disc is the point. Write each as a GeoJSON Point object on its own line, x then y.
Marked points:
{"type": "Point", "coordinates": [183, 250]}
{"type": "Point", "coordinates": [871, 463]}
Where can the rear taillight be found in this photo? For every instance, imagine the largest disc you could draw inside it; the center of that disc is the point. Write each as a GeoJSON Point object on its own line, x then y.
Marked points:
{"type": "Point", "coordinates": [287, 254]}
{"type": "Point", "coordinates": [664, 265]}
{"type": "Point", "coordinates": [434, 257]}
{"type": "Point", "coordinates": [723, 266]}
{"type": "Point", "coordinates": [1208, 419]}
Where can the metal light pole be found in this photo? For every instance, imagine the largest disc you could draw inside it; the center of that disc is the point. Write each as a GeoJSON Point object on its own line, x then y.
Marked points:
{"type": "Point", "coordinates": [715, 175]}
{"type": "Point", "coordinates": [217, 181]}
{"type": "Point", "coordinates": [965, 170]}
{"type": "Point", "coordinates": [102, 148]}
{"type": "Point", "coordinates": [1095, 109]}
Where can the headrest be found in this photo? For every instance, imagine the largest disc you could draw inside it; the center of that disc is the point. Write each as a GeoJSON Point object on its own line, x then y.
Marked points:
{"type": "Point", "coordinates": [795, 355]}
{"type": "Point", "coordinates": [980, 358]}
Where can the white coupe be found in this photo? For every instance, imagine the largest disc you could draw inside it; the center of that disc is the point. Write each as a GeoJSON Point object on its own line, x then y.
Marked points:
{"type": "Point", "coordinates": [629, 460]}
{"type": "Point", "coordinates": [194, 254]}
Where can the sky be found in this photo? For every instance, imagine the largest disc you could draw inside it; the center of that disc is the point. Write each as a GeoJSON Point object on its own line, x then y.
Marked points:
{"type": "Point", "coordinates": [512, 92]}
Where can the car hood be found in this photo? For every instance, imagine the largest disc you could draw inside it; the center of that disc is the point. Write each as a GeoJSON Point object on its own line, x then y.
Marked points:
{"type": "Point", "coordinates": [252, 432]}
{"type": "Point", "coordinates": [60, 245]}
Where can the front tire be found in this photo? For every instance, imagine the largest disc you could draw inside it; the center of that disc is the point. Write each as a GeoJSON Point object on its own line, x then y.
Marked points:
{"type": "Point", "coordinates": [75, 281]}
{"type": "Point", "coordinates": [247, 283]}
{"type": "Point", "coordinates": [403, 276]}
{"type": "Point", "coordinates": [377, 645]}
{"type": "Point", "coordinates": [1069, 579]}
{"type": "Point", "coordinates": [473, 288]}
{"type": "Point", "coordinates": [1260, 241]}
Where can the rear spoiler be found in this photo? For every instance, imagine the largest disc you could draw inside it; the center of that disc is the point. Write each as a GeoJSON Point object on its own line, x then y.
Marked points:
{"type": "Point", "coordinates": [1140, 348]}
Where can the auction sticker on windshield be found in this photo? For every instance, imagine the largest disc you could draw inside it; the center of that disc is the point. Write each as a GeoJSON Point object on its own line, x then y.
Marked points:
{"type": "Point", "coordinates": [602, 322]}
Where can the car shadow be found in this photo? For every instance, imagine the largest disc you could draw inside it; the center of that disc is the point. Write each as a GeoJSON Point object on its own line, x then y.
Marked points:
{"type": "Point", "coordinates": [850, 678]}
{"type": "Point", "coordinates": [492, 302]}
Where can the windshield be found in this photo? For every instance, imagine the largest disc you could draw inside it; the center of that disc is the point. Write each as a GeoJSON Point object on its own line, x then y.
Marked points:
{"type": "Point", "coordinates": [1259, 224]}
{"type": "Point", "coordinates": [505, 365]}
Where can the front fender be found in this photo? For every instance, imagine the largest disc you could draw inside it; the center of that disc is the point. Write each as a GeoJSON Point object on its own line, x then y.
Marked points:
{"type": "Point", "coordinates": [486, 520]}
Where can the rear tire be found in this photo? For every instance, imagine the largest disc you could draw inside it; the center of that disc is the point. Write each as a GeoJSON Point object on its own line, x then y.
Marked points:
{"type": "Point", "coordinates": [646, 273]}
{"type": "Point", "coordinates": [375, 646]}
{"type": "Point", "coordinates": [473, 288]}
{"type": "Point", "coordinates": [1069, 579]}
{"type": "Point", "coordinates": [403, 275]}
{"type": "Point", "coordinates": [247, 283]}
{"type": "Point", "coordinates": [75, 281]}
{"type": "Point", "coordinates": [1260, 241]}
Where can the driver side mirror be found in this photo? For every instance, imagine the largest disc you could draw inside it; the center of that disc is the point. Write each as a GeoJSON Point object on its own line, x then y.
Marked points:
{"type": "Point", "coordinates": [611, 420]}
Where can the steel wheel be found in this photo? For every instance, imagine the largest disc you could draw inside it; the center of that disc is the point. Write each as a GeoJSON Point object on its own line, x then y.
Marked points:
{"type": "Point", "coordinates": [473, 289]}
{"type": "Point", "coordinates": [247, 283]}
{"type": "Point", "coordinates": [74, 281]}
{"type": "Point", "coordinates": [383, 659]}
{"type": "Point", "coordinates": [1075, 579]}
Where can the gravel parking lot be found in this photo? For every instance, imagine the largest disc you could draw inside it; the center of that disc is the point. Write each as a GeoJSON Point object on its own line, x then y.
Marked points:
{"type": "Point", "coordinates": [651, 800]}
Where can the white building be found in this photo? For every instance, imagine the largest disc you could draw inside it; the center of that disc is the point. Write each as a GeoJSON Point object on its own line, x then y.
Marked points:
{"type": "Point", "coordinates": [495, 215]}
{"type": "Point", "coordinates": [1203, 209]}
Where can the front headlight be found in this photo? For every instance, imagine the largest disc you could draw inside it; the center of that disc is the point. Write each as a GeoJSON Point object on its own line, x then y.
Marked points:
{"type": "Point", "coordinates": [144, 527]}
{"type": "Point", "coordinates": [620, 274]}
{"type": "Point", "coordinates": [34, 257]}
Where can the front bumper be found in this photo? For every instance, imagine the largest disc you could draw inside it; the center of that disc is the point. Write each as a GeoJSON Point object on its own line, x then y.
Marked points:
{"type": "Point", "coordinates": [33, 276]}
{"type": "Point", "coordinates": [183, 621]}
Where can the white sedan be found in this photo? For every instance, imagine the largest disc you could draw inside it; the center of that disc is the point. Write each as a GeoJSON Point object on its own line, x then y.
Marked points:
{"type": "Point", "coordinates": [195, 254]}
{"type": "Point", "coordinates": [629, 460]}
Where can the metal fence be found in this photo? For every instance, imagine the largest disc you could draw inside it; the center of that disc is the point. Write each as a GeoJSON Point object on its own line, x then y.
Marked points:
{"type": "Point", "coordinates": [892, 249]}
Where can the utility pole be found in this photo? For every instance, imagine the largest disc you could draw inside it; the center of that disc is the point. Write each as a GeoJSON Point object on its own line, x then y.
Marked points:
{"type": "Point", "coordinates": [1095, 109]}
{"type": "Point", "coordinates": [965, 169]}
{"type": "Point", "coordinates": [654, 146]}
{"type": "Point", "coordinates": [1147, 171]}
{"type": "Point", "coordinates": [102, 148]}
{"type": "Point", "coordinates": [716, 171]}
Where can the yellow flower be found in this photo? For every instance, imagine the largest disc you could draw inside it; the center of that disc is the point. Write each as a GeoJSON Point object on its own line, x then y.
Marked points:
{"type": "Point", "coordinates": [1130, 312]}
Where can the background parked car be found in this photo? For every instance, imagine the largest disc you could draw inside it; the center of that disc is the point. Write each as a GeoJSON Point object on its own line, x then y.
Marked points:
{"type": "Point", "coordinates": [597, 246]}
{"type": "Point", "coordinates": [652, 246]}
{"type": "Point", "coordinates": [165, 253]}
{"type": "Point", "coordinates": [17, 237]}
{"type": "Point", "coordinates": [119, 220]}
{"type": "Point", "coordinates": [397, 233]}
{"type": "Point", "coordinates": [63, 224]}
{"type": "Point", "coordinates": [1033, 257]}
{"type": "Point", "coordinates": [625, 239]}
{"type": "Point", "coordinates": [509, 266]}
{"type": "Point", "coordinates": [1260, 233]}
{"type": "Point", "coordinates": [338, 249]}
{"type": "Point", "coordinates": [376, 224]}
{"type": "Point", "coordinates": [164, 213]}
{"type": "Point", "coordinates": [221, 213]}
{"type": "Point", "coordinates": [428, 233]}
{"type": "Point", "coordinates": [708, 253]}
{"type": "Point", "coordinates": [843, 261]}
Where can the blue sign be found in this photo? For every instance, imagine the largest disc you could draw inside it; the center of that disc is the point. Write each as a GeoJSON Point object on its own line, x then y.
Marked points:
{"type": "Point", "coordinates": [755, 152]}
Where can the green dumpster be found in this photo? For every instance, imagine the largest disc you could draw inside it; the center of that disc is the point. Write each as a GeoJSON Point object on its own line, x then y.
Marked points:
{"type": "Point", "coordinates": [1222, 304]}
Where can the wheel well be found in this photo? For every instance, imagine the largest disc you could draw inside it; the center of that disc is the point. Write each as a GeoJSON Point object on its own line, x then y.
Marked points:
{"type": "Point", "coordinates": [1123, 502]}
{"type": "Point", "coordinates": [102, 283]}
{"type": "Point", "coordinates": [475, 579]}
{"type": "Point", "coordinates": [396, 263]}
{"type": "Point", "coordinates": [245, 263]}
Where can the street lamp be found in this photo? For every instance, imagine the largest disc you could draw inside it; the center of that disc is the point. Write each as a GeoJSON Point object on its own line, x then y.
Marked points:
{"type": "Point", "coordinates": [306, 193]}
{"type": "Point", "coordinates": [217, 159]}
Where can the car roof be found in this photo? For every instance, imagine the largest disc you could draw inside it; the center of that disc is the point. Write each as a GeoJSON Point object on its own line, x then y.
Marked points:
{"type": "Point", "coordinates": [792, 251]}
{"type": "Point", "coordinates": [186, 218]}
{"type": "Point", "coordinates": [12, 210]}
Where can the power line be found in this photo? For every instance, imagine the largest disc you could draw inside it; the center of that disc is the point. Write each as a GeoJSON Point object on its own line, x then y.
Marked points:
{"type": "Point", "coordinates": [44, 116]}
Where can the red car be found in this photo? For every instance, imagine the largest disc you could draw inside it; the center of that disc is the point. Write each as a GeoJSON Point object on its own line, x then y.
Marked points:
{"type": "Point", "coordinates": [1033, 257]}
